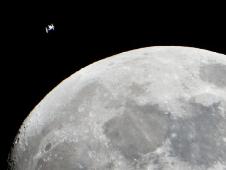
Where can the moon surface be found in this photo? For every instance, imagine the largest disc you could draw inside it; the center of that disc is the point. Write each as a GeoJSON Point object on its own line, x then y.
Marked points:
{"type": "Point", "coordinates": [154, 108]}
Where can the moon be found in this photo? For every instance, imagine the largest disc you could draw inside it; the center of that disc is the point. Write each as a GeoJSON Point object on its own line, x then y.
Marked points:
{"type": "Point", "coordinates": [153, 108]}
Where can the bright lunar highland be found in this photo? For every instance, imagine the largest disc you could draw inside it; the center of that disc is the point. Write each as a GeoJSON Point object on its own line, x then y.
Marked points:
{"type": "Point", "coordinates": [155, 108]}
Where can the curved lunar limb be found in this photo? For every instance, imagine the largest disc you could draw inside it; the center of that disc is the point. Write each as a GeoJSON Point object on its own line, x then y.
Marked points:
{"type": "Point", "coordinates": [146, 109]}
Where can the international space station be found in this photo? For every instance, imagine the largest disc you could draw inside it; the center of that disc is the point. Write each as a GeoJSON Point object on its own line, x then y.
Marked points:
{"type": "Point", "coordinates": [49, 28]}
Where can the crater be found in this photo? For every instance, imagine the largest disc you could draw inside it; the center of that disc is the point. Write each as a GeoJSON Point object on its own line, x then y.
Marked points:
{"type": "Point", "coordinates": [48, 147]}
{"type": "Point", "coordinates": [40, 164]}
{"type": "Point", "coordinates": [214, 74]}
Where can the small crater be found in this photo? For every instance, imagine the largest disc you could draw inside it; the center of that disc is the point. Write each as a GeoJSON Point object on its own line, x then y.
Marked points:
{"type": "Point", "coordinates": [48, 147]}
{"type": "Point", "coordinates": [214, 74]}
{"type": "Point", "coordinates": [40, 164]}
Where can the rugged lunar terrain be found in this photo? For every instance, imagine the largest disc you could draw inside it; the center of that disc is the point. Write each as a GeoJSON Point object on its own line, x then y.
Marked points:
{"type": "Point", "coordinates": [155, 108]}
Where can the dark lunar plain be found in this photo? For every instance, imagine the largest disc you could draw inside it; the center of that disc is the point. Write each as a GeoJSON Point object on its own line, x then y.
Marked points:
{"type": "Point", "coordinates": [34, 62]}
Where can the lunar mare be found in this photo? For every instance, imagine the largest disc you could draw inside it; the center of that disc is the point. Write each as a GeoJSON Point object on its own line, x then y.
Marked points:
{"type": "Point", "coordinates": [154, 108]}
